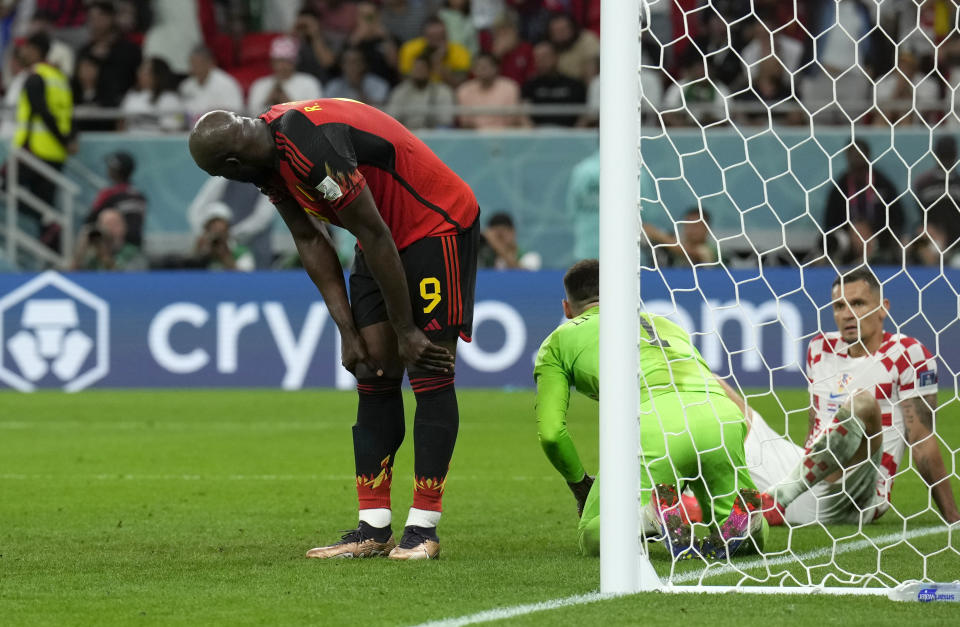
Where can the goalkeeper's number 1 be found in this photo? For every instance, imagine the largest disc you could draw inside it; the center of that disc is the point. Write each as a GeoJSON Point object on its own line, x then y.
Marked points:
{"type": "Point", "coordinates": [653, 333]}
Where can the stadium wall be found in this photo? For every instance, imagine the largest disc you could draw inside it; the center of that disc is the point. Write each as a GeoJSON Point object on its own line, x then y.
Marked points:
{"type": "Point", "coordinates": [198, 329]}
{"type": "Point", "coordinates": [753, 184]}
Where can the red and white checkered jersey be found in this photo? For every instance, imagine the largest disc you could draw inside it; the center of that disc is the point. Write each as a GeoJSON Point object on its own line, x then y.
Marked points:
{"type": "Point", "coordinates": [902, 368]}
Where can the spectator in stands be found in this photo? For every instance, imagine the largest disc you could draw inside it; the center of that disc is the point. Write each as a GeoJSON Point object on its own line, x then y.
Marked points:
{"type": "Point", "coordinates": [937, 190]}
{"type": "Point", "coordinates": [155, 104]}
{"type": "Point", "coordinates": [513, 53]}
{"type": "Point", "coordinates": [931, 246]}
{"type": "Point", "coordinates": [723, 61]}
{"type": "Point", "coordinates": [419, 102]}
{"type": "Point", "coordinates": [769, 86]}
{"type": "Point", "coordinates": [356, 83]}
{"type": "Point", "coordinates": [338, 18]}
{"type": "Point", "coordinates": [121, 196]}
{"type": "Point", "coordinates": [379, 47]}
{"type": "Point", "coordinates": [104, 246]}
{"type": "Point", "coordinates": [404, 19]}
{"type": "Point", "coordinates": [86, 96]}
{"type": "Point", "coordinates": [285, 84]}
{"type": "Point", "coordinates": [695, 100]}
{"type": "Point", "coordinates": [865, 200]}
{"type": "Point", "coordinates": [842, 51]}
{"type": "Point", "coordinates": [174, 33]}
{"type": "Point", "coordinates": [208, 87]}
{"type": "Point", "coordinates": [898, 88]}
{"type": "Point", "coordinates": [215, 248]}
{"type": "Point", "coordinates": [499, 248]}
{"type": "Point", "coordinates": [550, 87]}
{"type": "Point", "coordinates": [758, 35]}
{"type": "Point", "coordinates": [449, 61]}
{"type": "Point", "coordinates": [68, 17]}
{"type": "Point", "coordinates": [455, 15]}
{"type": "Point", "coordinates": [44, 125]}
{"type": "Point", "coordinates": [488, 89]}
{"type": "Point", "coordinates": [118, 57]}
{"type": "Point", "coordinates": [575, 47]}
{"type": "Point", "coordinates": [694, 247]}
{"type": "Point", "coordinates": [252, 215]}
{"type": "Point", "coordinates": [583, 207]}
{"type": "Point", "coordinates": [61, 55]}
{"type": "Point", "coordinates": [18, 73]}
{"type": "Point", "coordinates": [314, 55]}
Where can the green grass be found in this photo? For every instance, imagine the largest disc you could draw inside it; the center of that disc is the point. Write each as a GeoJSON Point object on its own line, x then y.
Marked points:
{"type": "Point", "coordinates": [195, 507]}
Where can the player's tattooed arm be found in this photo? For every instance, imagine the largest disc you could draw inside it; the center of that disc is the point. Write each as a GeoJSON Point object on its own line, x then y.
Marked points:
{"type": "Point", "coordinates": [925, 450]}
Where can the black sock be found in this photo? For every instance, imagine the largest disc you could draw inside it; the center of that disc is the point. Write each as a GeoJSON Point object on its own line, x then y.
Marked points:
{"type": "Point", "coordinates": [377, 435]}
{"type": "Point", "coordinates": [434, 435]}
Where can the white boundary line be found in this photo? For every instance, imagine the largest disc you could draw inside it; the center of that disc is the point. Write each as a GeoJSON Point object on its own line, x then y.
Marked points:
{"type": "Point", "coordinates": [502, 613]}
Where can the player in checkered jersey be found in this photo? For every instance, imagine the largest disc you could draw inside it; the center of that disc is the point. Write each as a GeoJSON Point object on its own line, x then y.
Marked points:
{"type": "Point", "coordinates": [872, 393]}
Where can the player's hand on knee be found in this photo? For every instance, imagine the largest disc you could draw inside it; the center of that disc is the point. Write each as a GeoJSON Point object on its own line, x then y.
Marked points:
{"type": "Point", "coordinates": [354, 355]}
{"type": "Point", "coordinates": [420, 354]}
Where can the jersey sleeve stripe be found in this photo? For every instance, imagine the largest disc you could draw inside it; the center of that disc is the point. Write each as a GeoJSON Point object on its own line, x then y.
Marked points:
{"type": "Point", "coordinates": [293, 159]}
{"type": "Point", "coordinates": [292, 145]}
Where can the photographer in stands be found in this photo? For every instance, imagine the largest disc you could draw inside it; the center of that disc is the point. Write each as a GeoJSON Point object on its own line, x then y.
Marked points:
{"type": "Point", "coordinates": [215, 248]}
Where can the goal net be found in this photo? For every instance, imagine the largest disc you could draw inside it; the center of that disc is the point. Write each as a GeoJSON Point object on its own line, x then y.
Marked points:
{"type": "Point", "coordinates": [780, 145]}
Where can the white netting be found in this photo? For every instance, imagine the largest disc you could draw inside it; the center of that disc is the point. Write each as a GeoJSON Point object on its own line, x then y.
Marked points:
{"type": "Point", "coordinates": [784, 143]}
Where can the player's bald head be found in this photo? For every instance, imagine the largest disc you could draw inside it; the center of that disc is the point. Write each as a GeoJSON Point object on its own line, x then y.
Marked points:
{"type": "Point", "coordinates": [232, 146]}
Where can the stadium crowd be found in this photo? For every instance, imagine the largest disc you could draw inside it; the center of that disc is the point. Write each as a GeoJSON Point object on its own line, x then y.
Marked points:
{"type": "Point", "coordinates": [162, 64]}
{"type": "Point", "coordinates": [144, 66]}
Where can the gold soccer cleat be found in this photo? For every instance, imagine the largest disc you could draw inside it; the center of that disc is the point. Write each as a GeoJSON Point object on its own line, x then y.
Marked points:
{"type": "Point", "coordinates": [357, 542]}
{"type": "Point", "coordinates": [417, 543]}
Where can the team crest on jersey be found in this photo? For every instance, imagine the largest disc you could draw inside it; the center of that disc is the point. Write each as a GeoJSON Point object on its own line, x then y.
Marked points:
{"type": "Point", "coordinates": [845, 380]}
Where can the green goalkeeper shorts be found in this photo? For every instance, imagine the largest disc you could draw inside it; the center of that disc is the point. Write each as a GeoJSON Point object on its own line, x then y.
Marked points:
{"type": "Point", "coordinates": [689, 439]}
{"type": "Point", "coordinates": [693, 439]}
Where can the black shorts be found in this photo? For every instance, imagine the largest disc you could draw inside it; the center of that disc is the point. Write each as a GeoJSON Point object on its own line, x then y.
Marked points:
{"type": "Point", "coordinates": [441, 275]}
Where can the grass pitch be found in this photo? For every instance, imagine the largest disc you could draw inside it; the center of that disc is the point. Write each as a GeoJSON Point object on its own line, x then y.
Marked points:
{"type": "Point", "coordinates": [196, 507]}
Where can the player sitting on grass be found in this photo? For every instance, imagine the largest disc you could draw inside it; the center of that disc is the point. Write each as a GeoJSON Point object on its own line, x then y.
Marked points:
{"type": "Point", "coordinates": [690, 430]}
{"type": "Point", "coordinates": [871, 394]}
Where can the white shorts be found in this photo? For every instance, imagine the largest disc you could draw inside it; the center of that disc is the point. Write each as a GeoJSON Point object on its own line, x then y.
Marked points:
{"type": "Point", "coordinates": [851, 500]}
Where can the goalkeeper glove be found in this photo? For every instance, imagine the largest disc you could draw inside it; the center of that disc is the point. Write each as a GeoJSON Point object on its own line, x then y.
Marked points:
{"type": "Point", "coordinates": [580, 491]}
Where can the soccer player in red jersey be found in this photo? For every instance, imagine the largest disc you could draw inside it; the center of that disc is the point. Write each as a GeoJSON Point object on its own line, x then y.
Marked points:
{"type": "Point", "coordinates": [411, 286]}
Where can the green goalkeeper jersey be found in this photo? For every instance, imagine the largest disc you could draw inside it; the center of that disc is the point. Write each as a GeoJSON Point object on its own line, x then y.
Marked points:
{"type": "Point", "coordinates": [570, 357]}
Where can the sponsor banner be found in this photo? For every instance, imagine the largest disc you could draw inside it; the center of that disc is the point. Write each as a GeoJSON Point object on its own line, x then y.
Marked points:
{"type": "Point", "coordinates": [199, 329]}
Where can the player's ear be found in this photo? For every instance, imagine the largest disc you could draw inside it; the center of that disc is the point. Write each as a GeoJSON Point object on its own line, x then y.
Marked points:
{"type": "Point", "coordinates": [567, 310]}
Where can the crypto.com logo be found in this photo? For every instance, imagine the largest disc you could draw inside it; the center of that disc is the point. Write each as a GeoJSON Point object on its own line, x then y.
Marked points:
{"type": "Point", "coordinates": [50, 328]}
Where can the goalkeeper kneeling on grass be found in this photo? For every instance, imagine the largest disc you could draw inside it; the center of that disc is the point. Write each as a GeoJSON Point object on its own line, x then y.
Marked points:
{"type": "Point", "coordinates": [691, 433]}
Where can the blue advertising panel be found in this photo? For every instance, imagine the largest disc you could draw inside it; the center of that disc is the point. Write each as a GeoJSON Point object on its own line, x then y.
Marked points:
{"type": "Point", "coordinates": [198, 329]}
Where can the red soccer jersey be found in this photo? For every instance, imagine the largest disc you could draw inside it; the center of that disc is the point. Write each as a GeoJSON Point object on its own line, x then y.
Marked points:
{"type": "Point", "coordinates": [331, 149]}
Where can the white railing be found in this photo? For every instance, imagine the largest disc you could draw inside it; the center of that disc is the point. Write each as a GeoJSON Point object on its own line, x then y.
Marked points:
{"type": "Point", "coordinates": [16, 239]}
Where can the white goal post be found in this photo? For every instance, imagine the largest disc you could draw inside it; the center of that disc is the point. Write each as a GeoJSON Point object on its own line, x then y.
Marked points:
{"type": "Point", "coordinates": [762, 153]}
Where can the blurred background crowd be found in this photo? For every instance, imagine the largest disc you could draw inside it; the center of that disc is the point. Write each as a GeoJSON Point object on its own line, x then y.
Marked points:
{"type": "Point", "coordinates": [148, 68]}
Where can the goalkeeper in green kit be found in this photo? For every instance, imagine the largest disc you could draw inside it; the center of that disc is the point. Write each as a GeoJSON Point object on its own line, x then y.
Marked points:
{"type": "Point", "coordinates": [691, 432]}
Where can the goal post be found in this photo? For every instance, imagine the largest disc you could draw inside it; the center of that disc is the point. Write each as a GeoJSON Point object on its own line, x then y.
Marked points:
{"type": "Point", "coordinates": [623, 567]}
{"type": "Point", "coordinates": [752, 135]}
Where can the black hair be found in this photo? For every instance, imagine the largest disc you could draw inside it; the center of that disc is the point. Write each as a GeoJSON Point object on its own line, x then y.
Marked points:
{"type": "Point", "coordinates": [946, 150]}
{"type": "Point", "coordinates": [702, 214]}
{"type": "Point", "coordinates": [40, 41]}
{"type": "Point", "coordinates": [501, 218]}
{"type": "Point", "coordinates": [486, 55]}
{"type": "Point", "coordinates": [582, 281]}
{"type": "Point", "coordinates": [163, 78]}
{"type": "Point", "coordinates": [861, 273]}
{"type": "Point", "coordinates": [106, 7]}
